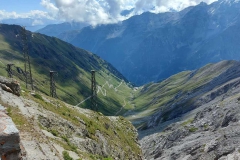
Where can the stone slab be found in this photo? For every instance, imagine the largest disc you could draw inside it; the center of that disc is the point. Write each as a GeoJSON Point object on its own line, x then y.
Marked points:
{"type": "Point", "coordinates": [9, 137]}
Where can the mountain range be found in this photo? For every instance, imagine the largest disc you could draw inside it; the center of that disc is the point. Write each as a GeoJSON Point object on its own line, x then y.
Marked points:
{"type": "Point", "coordinates": [151, 47]}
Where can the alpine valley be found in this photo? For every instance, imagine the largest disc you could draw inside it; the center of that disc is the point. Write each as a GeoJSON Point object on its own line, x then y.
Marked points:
{"type": "Point", "coordinates": [190, 110]}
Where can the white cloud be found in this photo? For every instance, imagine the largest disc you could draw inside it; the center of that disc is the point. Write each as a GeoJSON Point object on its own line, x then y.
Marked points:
{"type": "Point", "coordinates": [35, 14]}
{"type": "Point", "coordinates": [89, 11]}
{"type": "Point", "coordinates": [109, 11]}
{"type": "Point", "coordinates": [37, 22]}
{"type": "Point", "coordinates": [50, 7]}
{"type": "Point", "coordinates": [7, 15]}
{"type": "Point", "coordinates": [36, 17]}
{"type": "Point", "coordinates": [99, 11]}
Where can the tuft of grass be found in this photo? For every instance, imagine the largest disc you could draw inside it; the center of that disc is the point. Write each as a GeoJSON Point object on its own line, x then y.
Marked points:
{"type": "Point", "coordinates": [109, 158]}
{"type": "Point", "coordinates": [54, 132]}
{"type": "Point", "coordinates": [72, 146]}
{"type": "Point", "coordinates": [193, 129]}
{"type": "Point", "coordinates": [66, 156]}
{"type": "Point", "coordinates": [38, 96]}
{"type": "Point", "coordinates": [9, 111]}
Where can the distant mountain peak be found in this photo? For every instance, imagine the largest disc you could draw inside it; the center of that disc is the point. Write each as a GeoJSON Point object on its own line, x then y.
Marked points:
{"type": "Point", "coordinates": [203, 4]}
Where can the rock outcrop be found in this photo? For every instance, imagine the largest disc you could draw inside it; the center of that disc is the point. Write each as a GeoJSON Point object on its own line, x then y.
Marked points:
{"type": "Point", "coordinates": [50, 127]}
{"type": "Point", "coordinates": [10, 85]}
{"type": "Point", "coordinates": [212, 131]}
{"type": "Point", "coordinates": [9, 138]}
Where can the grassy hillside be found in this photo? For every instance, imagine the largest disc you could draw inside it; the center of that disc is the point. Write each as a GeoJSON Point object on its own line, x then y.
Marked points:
{"type": "Point", "coordinates": [156, 103]}
{"type": "Point", "coordinates": [73, 65]}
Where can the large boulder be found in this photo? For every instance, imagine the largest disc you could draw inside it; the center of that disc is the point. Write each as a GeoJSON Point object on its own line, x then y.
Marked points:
{"type": "Point", "coordinates": [9, 138]}
{"type": "Point", "coordinates": [10, 85]}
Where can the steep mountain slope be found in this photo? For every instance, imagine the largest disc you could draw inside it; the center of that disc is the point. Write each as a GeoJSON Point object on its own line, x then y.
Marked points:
{"type": "Point", "coordinates": [212, 132]}
{"type": "Point", "coordinates": [191, 115]}
{"type": "Point", "coordinates": [202, 123]}
{"type": "Point", "coordinates": [152, 47]}
{"type": "Point", "coordinates": [159, 104]}
{"type": "Point", "coordinates": [73, 65]}
{"type": "Point", "coordinates": [52, 129]}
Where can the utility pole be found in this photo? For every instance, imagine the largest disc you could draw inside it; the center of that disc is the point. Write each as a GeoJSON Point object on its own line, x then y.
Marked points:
{"type": "Point", "coordinates": [53, 92]}
{"type": "Point", "coordinates": [94, 91]}
{"type": "Point", "coordinates": [9, 70]}
{"type": "Point", "coordinates": [27, 64]}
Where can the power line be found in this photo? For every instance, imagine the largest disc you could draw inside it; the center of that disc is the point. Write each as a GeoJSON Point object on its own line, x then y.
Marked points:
{"type": "Point", "coordinates": [27, 64]}
{"type": "Point", "coordinates": [83, 101]}
{"type": "Point", "coordinates": [9, 70]}
{"type": "Point", "coordinates": [53, 92]}
{"type": "Point", "coordinates": [94, 91]}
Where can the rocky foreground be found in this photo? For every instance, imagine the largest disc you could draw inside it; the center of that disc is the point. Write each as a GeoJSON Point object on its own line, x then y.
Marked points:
{"type": "Point", "coordinates": [210, 132]}
{"type": "Point", "coordinates": [51, 129]}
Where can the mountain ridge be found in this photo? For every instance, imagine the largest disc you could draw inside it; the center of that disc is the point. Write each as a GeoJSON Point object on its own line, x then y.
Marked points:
{"type": "Point", "coordinates": [152, 47]}
{"type": "Point", "coordinates": [73, 65]}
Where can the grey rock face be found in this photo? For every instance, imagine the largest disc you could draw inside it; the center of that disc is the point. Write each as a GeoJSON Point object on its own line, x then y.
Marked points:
{"type": "Point", "coordinates": [213, 132]}
{"type": "Point", "coordinates": [80, 137]}
{"type": "Point", "coordinates": [10, 85]}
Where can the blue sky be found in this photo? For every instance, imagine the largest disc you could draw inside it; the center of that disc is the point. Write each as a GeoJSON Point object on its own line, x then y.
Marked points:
{"type": "Point", "coordinates": [21, 6]}
{"type": "Point", "coordinates": [92, 12]}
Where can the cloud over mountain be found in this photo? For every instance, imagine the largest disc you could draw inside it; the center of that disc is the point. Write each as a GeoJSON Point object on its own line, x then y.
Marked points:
{"type": "Point", "coordinates": [96, 12]}
{"type": "Point", "coordinates": [109, 11]}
